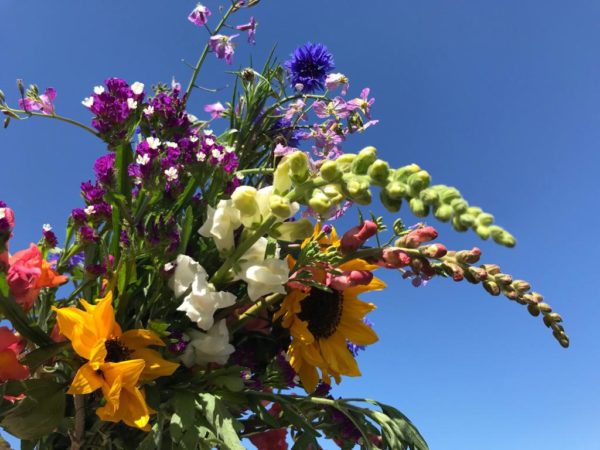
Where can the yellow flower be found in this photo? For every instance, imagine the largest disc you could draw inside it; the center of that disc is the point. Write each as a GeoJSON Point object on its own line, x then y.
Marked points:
{"type": "Point", "coordinates": [117, 361]}
{"type": "Point", "coordinates": [321, 323]}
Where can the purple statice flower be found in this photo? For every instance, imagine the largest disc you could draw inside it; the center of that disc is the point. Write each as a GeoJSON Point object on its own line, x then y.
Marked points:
{"type": "Point", "coordinates": [49, 237]}
{"type": "Point", "coordinates": [43, 104]}
{"type": "Point", "coordinates": [215, 110]}
{"type": "Point", "coordinates": [88, 235]}
{"type": "Point", "coordinates": [308, 67]}
{"type": "Point", "coordinates": [232, 185]}
{"type": "Point", "coordinates": [199, 15]}
{"type": "Point", "coordinates": [124, 239]}
{"type": "Point", "coordinates": [3, 204]}
{"type": "Point", "coordinates": [79, 215]}
{"type": "Point", "coordinates": [322, 390]}
{"type": "Point", "coordinates": [76, 260]}
{"type": "Point", "coordinates": [92, 193]}
{"type": "Point", "coordinates": [168, 112]}
{"type": "Point", "coordinates": [96, 269]}
{"type": "Point", "coordinates": [327, 228]}
{"type": "Point", "coordinates": [335, 80]}
{"type": "Point", "coordinates": [104, 167]}
{"type": "Point", "coordinates": [223, 47]}
{"type": "Point", "coordinates": [363, 102]}
{"type": "Point", "coordinates": [337, 107]}
{"type": "Point", "coordinates": [250, 27]}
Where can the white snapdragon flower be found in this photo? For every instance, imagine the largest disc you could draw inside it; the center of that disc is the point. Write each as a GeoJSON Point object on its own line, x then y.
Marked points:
{"type": "Point", "coordinates": [204, 348]}
{"type": "Point", "coordinates": [203, 299]}
{"type": "Point", "coordinates": [221, 223]}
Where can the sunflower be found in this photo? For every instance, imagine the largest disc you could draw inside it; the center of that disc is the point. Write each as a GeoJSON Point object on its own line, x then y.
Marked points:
{"type": "Point", "coordinates": [117, 361]}
{"type": "Point", "coordinates": [322, 322]}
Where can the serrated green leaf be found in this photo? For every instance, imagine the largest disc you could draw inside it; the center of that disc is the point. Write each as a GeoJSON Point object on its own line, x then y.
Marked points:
{"type": "Point", "coordinates": [220, 420]}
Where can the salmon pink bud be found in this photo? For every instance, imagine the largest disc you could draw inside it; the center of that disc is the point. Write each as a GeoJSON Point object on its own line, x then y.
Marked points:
{"type": "Point", "coordinates": [395, 258]}
{"type": "Point", "coordinates": [434, 250]}
{"type": "Point", "coordinates": [417, 237]}
{"type": "Point", "coordinates": [354, 238]}
{"type": "Point", "coordinates": [468, 256]}
{"type": "Point", "coordinates": [351, 278]}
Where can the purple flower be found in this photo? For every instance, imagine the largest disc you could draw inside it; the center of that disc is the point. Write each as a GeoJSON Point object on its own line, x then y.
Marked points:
{"type": "Point", "coordinates": [296, 107]}
{"type": "Point", "coordinates": [283, 150]}
{"type": "Point", "coordinates": [308, 67]}
{"type": "Point", "coordinates": [250, 27]}
{"type": "Point", "coordinates": [337, 107]}
{"type": "Point", "coordinates": [88, 235]}
{"type": "Point", "coordinates": [223, 47]}
{"type": "Point", "coordinates": [79, 215]}
{"type": "Point", "coordinates": [335, 80]}
{"type": "Point", "coordinates": [215, 110]}
{"type": "Point", "coordinates": [200, 14]}
{"type": "Point", "coordinates": [49, 236]}
{"type": "Point", "coordinates": [96, 269]}
{"type": "Point", "coordinates": [363, 103]}
{"type": "Point", "coordinates": [92, 193]}
{"type": "Point", "coordinates": [327, 140]}
{"type": "Point", "coordinates": [43, 104]}
{"type": "Point", "coordinates": [104, 167]}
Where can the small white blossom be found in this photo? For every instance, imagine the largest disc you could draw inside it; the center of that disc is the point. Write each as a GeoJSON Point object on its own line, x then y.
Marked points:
{"type": "Point", "coordinates": [142, 160]}
{"type": "Point", "coordinates": [131, 103]}
{"type": "Point", "coordinates": [267, 277]}
{"type": "Point", "coordinates": [47, 227]}
{"type": "Point", "coordinates": [217, 154]}
{"type": "Point", "coordinates": [205, 348]}
{"type": "Point", "coordinates": [171, 144]}
{"type": "Point", "coordinates": [153, 142]}
{"type": "Point", "coordinates": [149, 110]}
{"type": "Point", "coordinates": [90, 210]}
{"type": "Point", "coordinates": [168, 267]}
{"type": "Point", "coordinates": [88, 102]}
{"type": "Point", "coordinates": [2, 213]}
{"type": "Point", "coordinates": [209, 141]}
{"type": "Point", "coordinates": [98, 90]}
{"type": "Point", "coordinates": [171, 173]}
{"type": "Point", "coordinates": [208, 132]}
{"type": "Point", "coordinates": [137, 88]}
{"type": "Point", "coordinates": [192, 118]}
{"type": "Point", "coordinates": [193, 139]}
{"type": "Point", "coordinates": [201, 156]}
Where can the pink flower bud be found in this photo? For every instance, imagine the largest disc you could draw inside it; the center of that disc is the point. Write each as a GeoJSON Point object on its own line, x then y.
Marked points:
{"type": "Point", "coordinates": [417, 237]}
{"type": "Point", "coordinates": [434, 250]}
{"type": "Point", "coordinates": [394, 258]}
{"type": "Point", "coordinates": [350, 278]}
{"type": "Point", "coordinates": [354, 238]}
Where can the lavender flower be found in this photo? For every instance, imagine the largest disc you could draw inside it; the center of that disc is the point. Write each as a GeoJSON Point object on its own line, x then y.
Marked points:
{"type": "Point", "coordinates": [215, 110]}
{"type": "Point", "coordinates": [335, 80]}
{"type": "Point", "coordinates": [250, 27]}
{"type": "Point", "coordinates": [43, 104]}
{"type": "Point", "coordinates": [223, 47]}
{"type": "Point", "coordinates": [363, 102]}
{"type": "Point", "coordinates": [199, 15]}
{"type": "Point", "coordinates": [308, 67]}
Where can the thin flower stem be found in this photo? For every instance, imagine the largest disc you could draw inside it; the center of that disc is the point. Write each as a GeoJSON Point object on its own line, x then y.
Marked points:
{"type": "Point", "coordinates": [57, 117]}
{"type": "Point", "coordinates": [254, 171]}
{"type": "Point", "coordinates": [204, 54]}
{"type": "Point", "coordinates": [254, 309]}
{"type": "Point", "coordinates": [77, 438]}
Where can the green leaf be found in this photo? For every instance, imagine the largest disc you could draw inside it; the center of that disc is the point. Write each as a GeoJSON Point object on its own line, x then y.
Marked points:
{"type": "Point", "coordinates": [187, 229]}
{"type": "Point", "coordinates": [4, 289]}
{"type": "Point", "coordinates": [220, 420]}
{"type": "Point", "coordinates": [13, 312]}
{"type": "Point", "coordinates": [183, 421]}
{"type": "Point", "coordinates": [37, 357]}
{"type": "Point", "coordinates": [39, 413]}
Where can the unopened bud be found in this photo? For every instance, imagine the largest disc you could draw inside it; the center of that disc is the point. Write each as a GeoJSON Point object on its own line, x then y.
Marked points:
{"type": "Point", "coordinates": [395, 258]}
{"type": "Point", "coordinates": [2, 97]}
{"type": "Point", "coordinates": [293, 231]}
{"type": "Point", "coordinates": [503, 278]}
{"type": "Point", "coordinates": [521, 285]}
{"type": "Point", "coordinates": [403, 173]}
{"type": "Point", "coordinates": [474, 210]}
{"type": "Point", "coordinates": [20, 87]}
{"type": "Point", "coordinates": [466, 220]}
{"type": "Point", "coordinates": [379, 172]}
{"type": "Point", "coordinates": [418, 208]}
{"type": "Point", "coordinates": [345, 162]}
{"type": "Point", "coordinates": [491, 287]}
{"type": "Point", "coordinates": [544, 307]}
{"type": "Point", "coordinates": [282, 182]}
{"type": "Point", "coordinates": [511, 294]}
{"type": "Point", "coordinates": [419, 181]}
{"type": "Point", "coordinates": [443, 213]}
{"type": "Point", "coordinates": [364, 159]}
{"type": "Point", "coordinates": [483, 232]}
{"type": "Point", "coordinates": [351, 278]}
{"type": "Point", "coordinates": [396, 190]}
{"type": "Point", "coordinates": [476, 274]}
{"type": "Point", "coordinates": [449, 194]}
{"type": "Point", "coordinates": [334, 192]}
{"type": "Point", "coordinates": [429, 196]}
{"type": "Point", "coordinates": [244, 199]}
{"type": "Point", "coordinates": [468, 256]}
{"type": "Point", "coordinates": [454, 270]}
{"type": "Point", "coordinates": [433, 250]}
{"type": "Point", "coordinates": [533, 310]}
{"type": "Point", "coordinates": [391, 204]}
{"type": "Point", "coordinates": [491, 269]}
{"type": "Point", "coordinates": [485, 219]}
{"type": "Point", "coordinates": [280, 206]}
{"type": "Point", "coordinates": [459, 205]}
{"type": "Point", "coordinates": [458, 225]}
{"type": "Point", "coordinates": [330, 172]}
{"type": "Point", "coordinates": [398, 227]}
{"type": "Point", "coordinates": [354, 238]}
{"type": "Point", "coordinates": [320, 202]}
{"type": "Point", "coordinates": [417, 237]}
{"type": "Point", "coordinates": [299, 167]}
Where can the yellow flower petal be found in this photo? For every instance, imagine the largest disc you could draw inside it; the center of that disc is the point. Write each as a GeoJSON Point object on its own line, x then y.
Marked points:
{"type": "Point", "coordinates": [98, 354]}
{"type": "Point", "coordinates": [135, 339]}
{"type": "Point", "coordinates": [86, 381]}
{"type": "Point", "coordinates": [104, 317]}
{"type": "Point", "coordinates": [155, 365]}
{"type": "Point", "coordinates": [128, 371]}
{"type": "Point", "coordinates": [75, 324]}
{"type": "Point", "coordinates": [358, 332]}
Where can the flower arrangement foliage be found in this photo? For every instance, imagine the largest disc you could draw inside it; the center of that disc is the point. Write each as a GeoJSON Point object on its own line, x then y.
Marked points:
{"type": "Point", "coordinates": [207, 298]}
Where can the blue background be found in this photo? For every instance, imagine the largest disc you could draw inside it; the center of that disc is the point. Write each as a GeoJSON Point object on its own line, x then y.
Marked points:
{"type": "Point", "coordinates": [500, 99]}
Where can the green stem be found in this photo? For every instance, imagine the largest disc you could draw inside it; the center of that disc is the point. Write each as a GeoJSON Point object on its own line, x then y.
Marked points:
{"type": "Point", "coordinates": [204, 54]}
{"type": "Point", "coordinates": [57, 117]}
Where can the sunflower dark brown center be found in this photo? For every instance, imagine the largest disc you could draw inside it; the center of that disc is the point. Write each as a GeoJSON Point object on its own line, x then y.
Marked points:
{"type": "Point", "coordinates": [116, 351]}
{"type": "Point", "coordinates": [322, 311]}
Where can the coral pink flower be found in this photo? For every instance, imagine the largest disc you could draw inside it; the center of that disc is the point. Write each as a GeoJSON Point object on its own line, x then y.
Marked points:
{"type": "Point", "coordinates": [28, 273]}
{"type": "Point", "coordinates": [355, 237]}
{"type": "Point", "coordinates": [10, 347]}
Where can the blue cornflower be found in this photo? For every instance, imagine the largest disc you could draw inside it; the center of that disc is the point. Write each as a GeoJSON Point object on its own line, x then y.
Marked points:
{"type": "Point", "coordinates": [309, 66]}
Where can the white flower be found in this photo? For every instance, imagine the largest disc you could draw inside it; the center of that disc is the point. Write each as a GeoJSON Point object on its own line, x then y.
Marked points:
{"type": "Point", "coordinates": [203, 299]}
{"type": "Point", "coordinates": [45, 227]}
{"type": "Point", "coordinates": [98, 90]}
{"type": "Point", "coordinates": [192, 118]}
{"type": "Point", "coordinates": [149, 110]}
{"type": "Point", "coordinates": [153, 142]}
{"type": "Point", "coordinates": [201, 156]}
{"type": "Point", "coordinates": [88, 102]}
{"type": "Point", "coordinates": [267, 277]}
{"type": "Point", "coordinates": [209, 141]}
{"type": "Point", "coordinates": [208, 132]}
{"type": "Point", "coordinates": [142, 160]}
{"type": "Point", "coordinates": [171, 144]}
{"type": "Point", "coordinates": [137, 88]}
{"type": "Point", "coordinates": [171, 173]}
{"type": "Point", "coordinates": [90, 210]}
{"type": "Point", "coordinates": [205, 348]}
{"type": "Point", "coordinates": [221, 223]}
{"type": "Point", "coordinates": [131, 103]}
{"type": "Point", "coordinates": [193, 139]}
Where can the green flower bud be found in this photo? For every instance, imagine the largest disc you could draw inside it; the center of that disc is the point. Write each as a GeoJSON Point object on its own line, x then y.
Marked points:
{"type": "Point", "coordinates": [299, 167]}
{"type": "Point", "coordinates": [244, 199]}
{"type": "Point", "coordinates": [334, 192]}
{"type": "Point", "coordinates": [443, 213]}
{"type": "Point", "coordinates": [419, 181]}
{"type": "Point", "coordinates": [280, 206]}
{"type": "Point", "coordinates": [282, 182]}
{"type": "Point", "coordinates": [459, 205]}
{"type": "Point", "coordinates": [2, 97]}
{"type": "Point", "coordinates": [449, 194]}
{"type": "Point", "coordinates": [418, 208]}
{"type": "Point", "coordinates": [533, 309]}
{"type": "Point", "coordinates": [466, 220]}
{"type": "Point", "coordinates": [398, 227]}
{"type": "Point", "coordinates": [403, 173]}
{"type": "Point", "coordinates": [396, 190]}
{"type": "Point", "coordinates": [485, 219]}
{"type": "Point", "coordinates": [503, 278]}
{"type": "Point", "coordinates": [356, 184]}
{"type": "Point", "coordinates": [429, 196]}
{"type": "Point", "coordinates": [483, 232]}
{"type": "Point", "coordinates": [293, 231]}
{"type": "Point", "coordinates": [491, 269]}
{"type": "Point", "coordinates": [320, 202]}
{"type": "Point", "coordinates": [507, 239]}
{"type": "Point", "coordinates": [521, 285]}
{"type": "Point", "coordinates": [491, 287]}
{"type": "Point", "coordinates": [544, 307]}
{"type": "Point", "coordinates": [391, 204]}
{"type": "Point", "coordinates": [330, 171]}
{"type": "Point", "coordinates": [363, 198]}
{"type": "Point", "coordinates": [363, 161]}
{"type": "Point", "coordinates": [474, 210]}
{"type": "Point", "coordinates": [344, 162]}
{"type": "Point", "coordinates": [379, 172]}
{"type": "Point", "coordinates": [458, 225]}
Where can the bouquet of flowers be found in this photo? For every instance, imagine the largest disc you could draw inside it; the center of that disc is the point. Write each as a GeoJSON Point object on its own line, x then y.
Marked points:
{"type": "Point", "coordinates": [211, 299]}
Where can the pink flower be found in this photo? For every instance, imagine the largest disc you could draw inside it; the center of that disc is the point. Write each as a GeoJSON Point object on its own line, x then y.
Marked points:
{"type": "Point", "coordinates": [216, 110]}
{"type": "Point", "coordinates": [363, 102]}
{"type": "Point", "coordinates": [28, 273]}
{"type": "Point", "coordinates": [417, 237]}
{"type": "Point", "coordinates": [350, 278]}
{"type": "Point", "coordinates": [10, 347]}
{"type": "Point", "coordinates": [44, 104]}
{"type": "Point", "coordinates": [199, 16]}
{"type": "Point", "coordinates": [337, 107]}
{"type": "Point", "coordinates": [296, 107]}
{"type": "Point", "coordinates": [282, 150]}
{"type": "Point", "coordinates": [223, 46]}
{"type": "Point", "coordinates": [355, 237]}
{"type": "Point", "coordinates": [335, 80]}
{"type": "Point", "coordinates": [394, 258]}
{"type": "Point", "coordinates": [250, 27]}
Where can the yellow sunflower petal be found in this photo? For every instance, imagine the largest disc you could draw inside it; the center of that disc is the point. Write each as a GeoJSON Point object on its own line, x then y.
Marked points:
{"type": "Point", "coordinates": [112, 395]}
{"type": "Point", "coordinates": [338, 357]}
{"type": "Point", "coordinates": [300, 331]}
{"type": "Point", "coordinates": [98, 354]}
{"type": "Point", "coordinates": [375, 285]}
{"type": "Point", "coordinates": [133, 410]}
{"type": "Point", "coordinates": [76, 325]}
{"type": "Point", "coordinates": [357, 332]}
{"type": "Point", "coordinates": [128, 371]}
{"type": "Point", "coordinates": [104, 317]}
{"type": "Point", "coordinates": [135, 339]}
{"type": "Point", "coordinates": [357, 264]}
{"type": "Point", "coordinates": [155, 365]}
{"type": "Point", "coordinates": [86, 381]}
{"type": "Point", "coordinates": [356, 308]}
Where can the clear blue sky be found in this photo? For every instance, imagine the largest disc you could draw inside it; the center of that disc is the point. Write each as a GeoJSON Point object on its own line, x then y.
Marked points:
{"type": "Point", "coordinates": [501, 99]}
